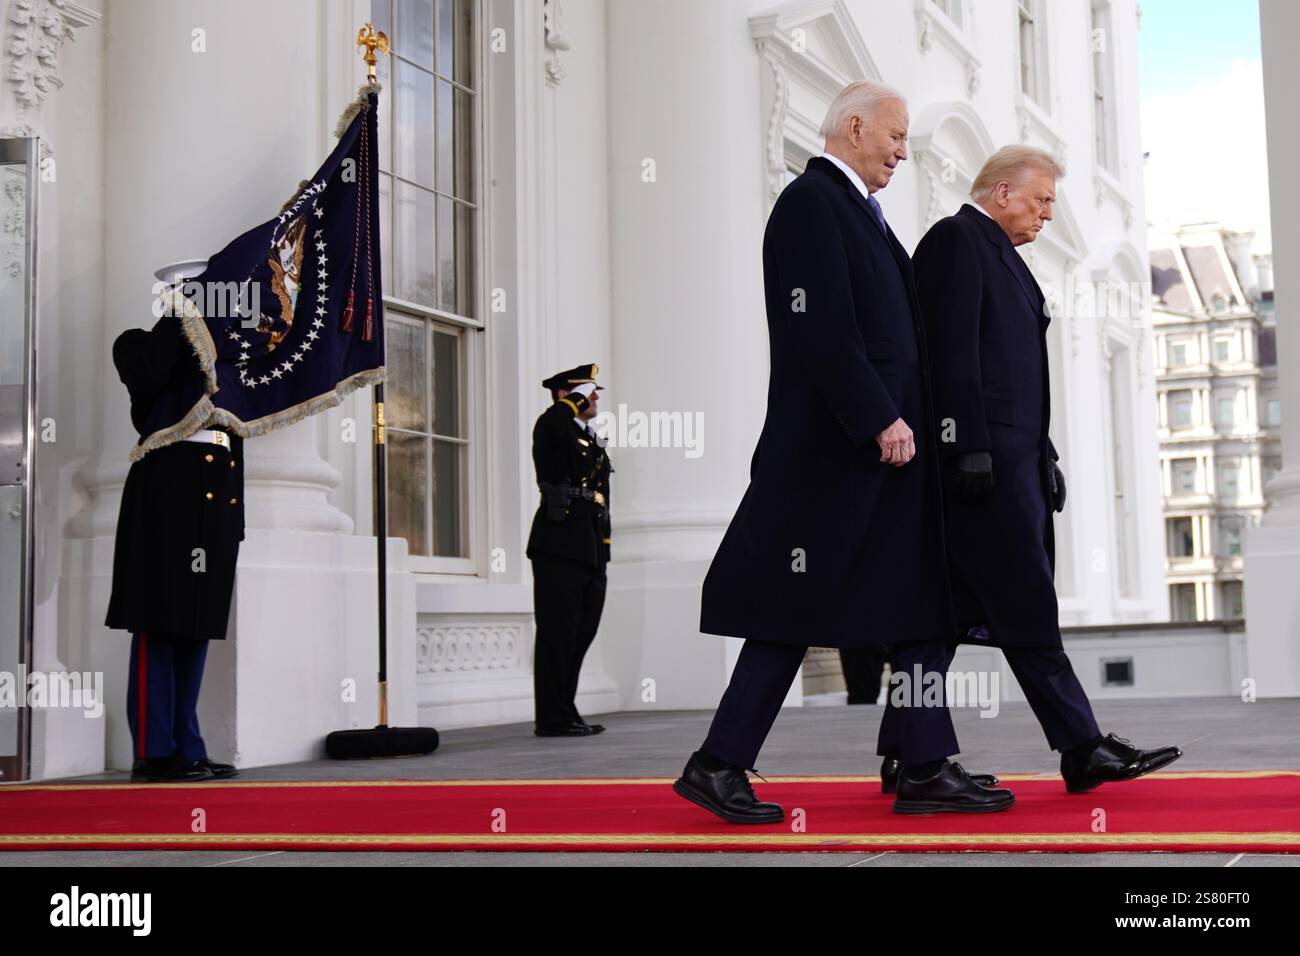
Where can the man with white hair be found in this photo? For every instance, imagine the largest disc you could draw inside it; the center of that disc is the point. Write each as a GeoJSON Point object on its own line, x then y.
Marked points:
{"type": "Point", "coordinates": [838, 540]}
{"type": "Point", "coordinates": [987, 327]}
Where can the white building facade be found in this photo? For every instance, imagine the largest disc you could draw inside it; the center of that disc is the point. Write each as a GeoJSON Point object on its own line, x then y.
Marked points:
{"type": "Point", "coordinates": [1220, 413]}
{"type": "Point", "coordinates": [565, 181]}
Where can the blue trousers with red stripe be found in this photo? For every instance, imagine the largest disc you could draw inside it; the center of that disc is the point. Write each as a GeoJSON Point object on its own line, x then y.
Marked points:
{"type": "Point", "coordinates": [162, 696]}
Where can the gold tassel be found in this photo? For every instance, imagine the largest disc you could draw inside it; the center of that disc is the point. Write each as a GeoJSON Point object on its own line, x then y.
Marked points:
{"type": "Point", "coordinates": [368, 331]}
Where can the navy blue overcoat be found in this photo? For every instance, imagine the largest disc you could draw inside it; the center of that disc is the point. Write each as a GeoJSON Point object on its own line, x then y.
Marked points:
{"type": "Point", "coordinates": [830, 547]}
{"type": "Point", "coordinates": [987, 328]}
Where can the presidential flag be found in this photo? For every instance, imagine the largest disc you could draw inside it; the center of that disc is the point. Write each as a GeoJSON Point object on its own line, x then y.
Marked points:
{"type": "Point", "coordinates": [287, 319]}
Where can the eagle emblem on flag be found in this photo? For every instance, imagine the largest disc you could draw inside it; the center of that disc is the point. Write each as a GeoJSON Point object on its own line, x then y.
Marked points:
{"type": "Point", "coordinates": [287, 319]}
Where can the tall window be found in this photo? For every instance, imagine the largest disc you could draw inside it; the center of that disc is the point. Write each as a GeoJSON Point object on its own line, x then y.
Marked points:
{"type": "Point", "coordinates": [1182, 602]}
{"type": "Point", "coordinates": [1101, 78]}
{"type": "Point", "coordinates": [1230, 537]}
{"type": "Point", "coordinates": [1183, 471]}
{"type": "Point", "coordinates": [1233, 602]}
{"type": "Point", "coordinates": [1179, 539]}
{"type": "Point", "coordinates": [1180, 409]}
{"type": "Point", "coordinates": [429, 203]}
{"type": "Point", "coordinates": [1026, 10]}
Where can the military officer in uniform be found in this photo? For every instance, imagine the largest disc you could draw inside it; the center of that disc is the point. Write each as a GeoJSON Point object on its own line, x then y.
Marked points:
{"type": "Point", "coordinates": [568, 547]}
{"type": "Point", "coordinates": [178, 534]}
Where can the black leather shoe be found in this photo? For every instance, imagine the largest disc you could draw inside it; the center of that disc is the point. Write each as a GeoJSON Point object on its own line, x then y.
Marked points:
{"type": "Point", "coordinates": [950, 790]}
{"type": "Point", "coordinates": [892, 768]}
{"type": "Point", "coordinates": [1113, 759]}
{"type": "Point", "coordinates": [595, 728]}
{"type": "Point", "coordinates": [726, 793]}
{"type": "Point", "coordinates": [219, 771]}
{"type": "Point", "coordinates": [169, 770]}
{"type": "Point", "coordinates": [573, 729]}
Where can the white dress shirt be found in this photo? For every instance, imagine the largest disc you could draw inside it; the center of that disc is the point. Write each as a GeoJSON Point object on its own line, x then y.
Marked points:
{"type": "Point", "coordinates": [849, 171]}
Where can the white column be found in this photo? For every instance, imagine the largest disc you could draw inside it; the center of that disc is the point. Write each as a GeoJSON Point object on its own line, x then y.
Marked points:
{"type": "Point", "coordinates": [687, 309]}
{"type": "Point", "coordinates": [1273, 550]}
{"type": "Point", "coordinates": [210, 128]}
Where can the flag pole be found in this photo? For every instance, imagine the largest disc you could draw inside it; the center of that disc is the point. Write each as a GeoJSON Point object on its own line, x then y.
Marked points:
{"type": "Point", "coordinates": [381, 740]}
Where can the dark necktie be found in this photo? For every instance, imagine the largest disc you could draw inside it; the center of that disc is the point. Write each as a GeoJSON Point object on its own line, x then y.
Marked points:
{"type": "Point", "coordinates": [879, 213]}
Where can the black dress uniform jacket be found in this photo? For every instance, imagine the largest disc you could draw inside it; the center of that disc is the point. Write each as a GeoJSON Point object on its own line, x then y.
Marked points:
{"type": "Point", "coordinates": [177, 500]}
{"type": "Point", "coordinates": [831, 547]}
{"type": "Point", "coordinates": [987, 329]}
{"type": "Point", "coordinates": [564, 454]}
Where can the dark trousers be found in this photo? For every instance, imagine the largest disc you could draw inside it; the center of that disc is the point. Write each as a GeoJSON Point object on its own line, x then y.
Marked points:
{"type": "Point", "coordinates": [763, 675]}
{"type": "Point", "coordinates": [162, 696]}
{"type": "Point", "coordinates": [1049, 684]}
{"type": "Point", "coordinates": [568, 598]}
{"type": "Point", "coordinates": [863, 668]}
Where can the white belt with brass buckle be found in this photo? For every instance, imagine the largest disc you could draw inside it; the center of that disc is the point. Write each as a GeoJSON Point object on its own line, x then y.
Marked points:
{"type": "Point", "coordinates": [209, 436]}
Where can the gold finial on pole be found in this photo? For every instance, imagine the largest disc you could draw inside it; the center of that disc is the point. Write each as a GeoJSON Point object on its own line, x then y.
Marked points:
{"type": "Point", "coordinates": [372, 40]}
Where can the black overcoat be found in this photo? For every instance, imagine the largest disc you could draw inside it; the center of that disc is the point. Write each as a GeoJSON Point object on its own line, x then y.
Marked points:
{"type": "Point", "coordinates": [564, 453]}
{"type": "Point", "coordinates": [830, 547]}
{"type": "Point", "coordinates": [987, 327]}
{"type": "Point", "coordinates": [182, 513]}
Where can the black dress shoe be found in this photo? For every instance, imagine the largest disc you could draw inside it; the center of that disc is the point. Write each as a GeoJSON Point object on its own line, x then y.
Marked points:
{"type": "Point", "coordinates": [169, 770]}
{"type": "Point", "coordinates": [220, 771]}
{"type": "Point", "coordinates": [573, 729]}
{"type": "Point", "coordinates": [950, 790]}
{"type": "Point", "coordinates": [1113, 759]}
{"type": "Point", "coordinates": [892, 768]}
{"type": "Point", "coordinates": [595, 728]}
{"type": "Point", "coordinates": [726, 793]}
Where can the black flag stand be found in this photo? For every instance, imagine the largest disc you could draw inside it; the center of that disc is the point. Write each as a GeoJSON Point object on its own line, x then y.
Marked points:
{"type": "Point", "coordinates": [380, 740]}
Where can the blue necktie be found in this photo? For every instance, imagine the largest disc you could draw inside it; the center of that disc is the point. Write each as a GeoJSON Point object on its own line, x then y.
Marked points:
{"type": "Point", "coordinates": [875, 208]}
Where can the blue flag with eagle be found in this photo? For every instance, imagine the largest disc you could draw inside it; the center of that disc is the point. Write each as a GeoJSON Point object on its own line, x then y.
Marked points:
{"type": "Point", "coordinates": [287, 319]}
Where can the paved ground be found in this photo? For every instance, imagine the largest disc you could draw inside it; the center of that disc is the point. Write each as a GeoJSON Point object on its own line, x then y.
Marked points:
{"type": "Point", "coordinates": [1215, 734]}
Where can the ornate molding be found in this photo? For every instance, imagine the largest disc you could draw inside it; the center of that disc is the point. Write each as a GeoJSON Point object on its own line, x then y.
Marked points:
{"type": "Point", "coordinates": [556, 40]}
{"type": "Point", "coordinates": [37, 30]}
{"type": "Point", "coordinates": [933, 25]}
{"type": "Point", "coordinates": [452, 648]}
{"type": "Point", "coordinates": [808, 51]}
{"type": "Point", "coordinates": [1105, 186]}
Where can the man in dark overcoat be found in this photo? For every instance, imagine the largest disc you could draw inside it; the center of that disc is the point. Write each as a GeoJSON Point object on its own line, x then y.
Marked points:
{"type": "Point", "coordinates": [838, 540]}
{"type": "Point", "coordinates": [987, 328]}
{"type": "Point", "coordinates": [178, 535]}
{"type": "Point", "coordinates": [568, 546]}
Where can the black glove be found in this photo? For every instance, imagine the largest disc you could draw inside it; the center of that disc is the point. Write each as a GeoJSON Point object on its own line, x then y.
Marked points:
{"type": "Point", "coordinates": [1056, 485]}
{"type": "Point", "coordinates": [970, 476]}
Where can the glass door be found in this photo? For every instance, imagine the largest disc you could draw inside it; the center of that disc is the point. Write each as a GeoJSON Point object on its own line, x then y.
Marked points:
{"type": "Point", "coordinates": [19, 177]}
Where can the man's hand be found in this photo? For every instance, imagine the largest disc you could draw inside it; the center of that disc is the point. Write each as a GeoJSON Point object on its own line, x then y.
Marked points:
{"type": "Point", "coordinates": [970, 476]}
{"type": "Point", "coordinates": [897, 445]}
{"type": "Point", "coordinates": [585, 389]}
{"type": "Point", "coordinates": [1056, 485]}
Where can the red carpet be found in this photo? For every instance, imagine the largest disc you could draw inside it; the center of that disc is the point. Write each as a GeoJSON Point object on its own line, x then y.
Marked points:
{"type": "Point", "coordinates": [1228, 811]}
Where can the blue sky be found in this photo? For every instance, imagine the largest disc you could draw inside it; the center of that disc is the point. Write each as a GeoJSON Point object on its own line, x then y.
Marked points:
{"type": "Point", "coordinates": [1200, 65]}
{"type": "Point", "coordinates": [1184, 41]}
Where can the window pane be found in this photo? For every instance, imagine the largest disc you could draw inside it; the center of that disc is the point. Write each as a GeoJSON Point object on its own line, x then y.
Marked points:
{"type": "Point", "coordinates": [386, 232]}
{"type": "Point", "coordinates": [384, 73]}
{"type": "Point", "coordinates": [455, 257]}
{"type": "Point", "coordinates": [414, 119]}
{"type": "Point", "coordinates": [446, 384]}
{"type": "Point", "coordinates": [413, 36]}
{"type": "Point", "coordinates": [413, 278]}
{"type": "Point", "coordinates": [446, 502]}
{"type": "Point", "coordinates": [455, 142]}
{"type": "Point", "coordinates": [408, 490]}
{"type": "Point", "coordinates": [407, 375]}
{"type": "Point", "coordinates": [455, 31]}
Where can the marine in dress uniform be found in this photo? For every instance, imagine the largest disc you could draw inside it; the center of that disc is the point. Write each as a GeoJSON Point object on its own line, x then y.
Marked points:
{"type": "Point", "coordinates": [987, 328]}
{"type": "Point", "coordinates": [178, 535]}
{"type": "Point", "coordinates": [568, 547]}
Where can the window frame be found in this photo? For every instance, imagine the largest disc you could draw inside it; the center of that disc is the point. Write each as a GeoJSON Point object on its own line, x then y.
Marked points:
{"type": "Point", "coordinates": [473, 351]}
